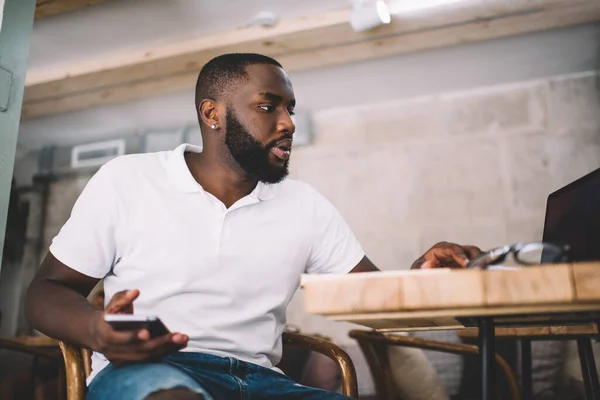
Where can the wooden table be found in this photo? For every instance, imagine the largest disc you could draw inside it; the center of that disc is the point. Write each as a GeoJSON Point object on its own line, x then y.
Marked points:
{"type": "Point", "coordinates": [548, 295]}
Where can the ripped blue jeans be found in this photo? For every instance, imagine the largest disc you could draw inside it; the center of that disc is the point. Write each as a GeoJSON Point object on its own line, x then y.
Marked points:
{"type": "Point", "coordinates": [216, 378]}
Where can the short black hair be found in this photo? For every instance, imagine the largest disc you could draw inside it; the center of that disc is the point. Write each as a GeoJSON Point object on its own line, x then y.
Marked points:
{"type": "Point", "coordinates": [221, 72]}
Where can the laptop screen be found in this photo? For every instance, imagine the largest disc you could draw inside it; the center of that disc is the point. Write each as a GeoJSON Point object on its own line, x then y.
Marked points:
{"type": "Point", "coordinates": [573, 217]}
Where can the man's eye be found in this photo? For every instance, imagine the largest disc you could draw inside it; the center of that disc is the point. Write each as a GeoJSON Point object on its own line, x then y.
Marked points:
{"type": "Point", "coordinates": [267, 108]}
{"type": "Point", "coordinates": [292, 112]}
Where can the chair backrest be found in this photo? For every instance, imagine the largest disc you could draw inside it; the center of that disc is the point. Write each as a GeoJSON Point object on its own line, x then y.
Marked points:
{"type": "Point", "coordinates": [374, 346]}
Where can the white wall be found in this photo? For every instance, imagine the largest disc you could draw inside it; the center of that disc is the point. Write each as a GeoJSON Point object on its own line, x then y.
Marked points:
{"type": "Point", "coordinates": [462, 67]}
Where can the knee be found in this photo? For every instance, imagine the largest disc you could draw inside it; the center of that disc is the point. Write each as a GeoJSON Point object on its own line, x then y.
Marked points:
{"type": "Point", "coordinates": [175, 394]}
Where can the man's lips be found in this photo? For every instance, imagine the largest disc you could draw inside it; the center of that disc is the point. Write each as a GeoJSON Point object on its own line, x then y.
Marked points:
{"type": "Point", "coordinates": [281, 153]}
{"type": "Point", "coordinates": [282, 149]}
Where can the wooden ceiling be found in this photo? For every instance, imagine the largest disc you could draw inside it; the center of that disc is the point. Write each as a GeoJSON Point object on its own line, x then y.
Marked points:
{"type": "Point", "coordinates": [48, 8]}
{"type": "Point", "coordinates": [299, 44]}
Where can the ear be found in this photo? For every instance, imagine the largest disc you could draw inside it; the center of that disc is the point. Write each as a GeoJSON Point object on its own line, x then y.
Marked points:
{"type": "Point", "coordinates": [208, 113]}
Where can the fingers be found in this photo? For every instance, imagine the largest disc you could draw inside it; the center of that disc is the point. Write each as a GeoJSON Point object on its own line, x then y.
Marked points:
{"type": "Point", "coordinates": [162, 345]}
{"type": "Point", "coordinates": [135, 345]}
{"type": "Point", "coordinates": [451, 257]}
{"type": "Point", "coordinates": [122, 302]}
{"type": "Point", "coordinates": [457, 254]}
{"type": "Point", "coordinates": [143, 334]}
{"type": "Point", "coordinates": [472, 251]}
{"type": "Point", "coordinates": [448, 255]}
{"type": "Point", "coordinates": [144, 350]}
{"type": "Point", "coordinates": [109, 336]}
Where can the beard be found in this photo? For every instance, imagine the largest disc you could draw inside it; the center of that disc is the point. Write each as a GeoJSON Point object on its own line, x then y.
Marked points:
{"type": "Point", "coordinates": [250, 154]}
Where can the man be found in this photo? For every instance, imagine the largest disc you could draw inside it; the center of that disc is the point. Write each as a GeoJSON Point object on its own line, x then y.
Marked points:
{"type": "Point", "coordinates": [211, 240]}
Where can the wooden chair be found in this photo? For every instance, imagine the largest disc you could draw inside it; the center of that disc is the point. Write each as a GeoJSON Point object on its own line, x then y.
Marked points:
{"type": "Point", "coordinates": [374, 346]}
{"type": "Point", "coordinates": [78, 363]}
{"type": "Point", "coordinates": [40, 348]}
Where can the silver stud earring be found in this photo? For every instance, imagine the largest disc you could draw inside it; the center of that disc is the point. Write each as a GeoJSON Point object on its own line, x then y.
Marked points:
{"type": "Point", "coordinates": [213, 126]}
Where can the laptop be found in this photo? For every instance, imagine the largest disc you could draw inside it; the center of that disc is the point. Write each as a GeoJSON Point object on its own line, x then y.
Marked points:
{"type": "Point", "coordinates": [573, 218]}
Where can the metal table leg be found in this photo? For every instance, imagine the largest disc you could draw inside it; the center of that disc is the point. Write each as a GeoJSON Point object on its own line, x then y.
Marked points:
{"type": "Point", "coordinates": [526, 382]}
{"type": "Point", "coordinates": [588, 369]}
{"type": "Point", "coordinates": [487, 351]}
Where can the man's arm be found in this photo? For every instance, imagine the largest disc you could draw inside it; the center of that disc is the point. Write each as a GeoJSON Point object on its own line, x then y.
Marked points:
{"type": "Point", "coordinates": [441, 255]}
{"type": "Point", "coordinates": [56, 303]}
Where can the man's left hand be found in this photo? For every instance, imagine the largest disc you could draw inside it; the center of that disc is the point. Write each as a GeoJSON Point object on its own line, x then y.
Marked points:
{"type": "Point", "coordinates": [446, 255]}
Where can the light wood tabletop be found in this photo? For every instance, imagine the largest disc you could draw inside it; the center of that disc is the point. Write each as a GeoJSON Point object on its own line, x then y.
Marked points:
{"type": "Point", "coordinates": [445, 298]}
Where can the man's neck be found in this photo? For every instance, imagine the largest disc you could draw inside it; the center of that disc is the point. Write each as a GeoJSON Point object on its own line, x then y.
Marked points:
{"type": "Point", "coordinates": [218, 178]}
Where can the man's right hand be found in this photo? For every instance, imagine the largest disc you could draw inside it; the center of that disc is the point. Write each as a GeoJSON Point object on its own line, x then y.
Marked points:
{"type": "Point", "coordinates": [121, 347]}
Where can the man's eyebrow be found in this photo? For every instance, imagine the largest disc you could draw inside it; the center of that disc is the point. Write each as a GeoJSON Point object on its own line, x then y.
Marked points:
{"type": "Point", "coordinates": [276, 98]}
{"type": "Point", "coordinates": [271, 96]}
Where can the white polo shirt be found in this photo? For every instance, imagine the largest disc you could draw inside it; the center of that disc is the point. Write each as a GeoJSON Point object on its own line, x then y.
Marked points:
{"type": "Point", "coordinates": [222, 276]}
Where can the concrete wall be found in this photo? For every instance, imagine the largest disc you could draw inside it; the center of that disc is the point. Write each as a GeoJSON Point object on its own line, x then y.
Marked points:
{"type": "Point", "coordinates": [62, 195]}
{"type": "Point", "coordinates": [468, 166]}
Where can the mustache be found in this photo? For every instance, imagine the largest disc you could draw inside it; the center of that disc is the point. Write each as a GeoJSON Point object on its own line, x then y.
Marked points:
{"type": "Point", "coordinates": [274, 142]}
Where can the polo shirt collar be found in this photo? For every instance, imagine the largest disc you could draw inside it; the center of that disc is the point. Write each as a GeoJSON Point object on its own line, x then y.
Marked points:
{"type": "Point", "coordinates": [183, 181]}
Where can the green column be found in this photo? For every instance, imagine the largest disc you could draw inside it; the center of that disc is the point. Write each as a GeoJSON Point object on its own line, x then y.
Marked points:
{"type": "Point", "coordinates": [15, 36]}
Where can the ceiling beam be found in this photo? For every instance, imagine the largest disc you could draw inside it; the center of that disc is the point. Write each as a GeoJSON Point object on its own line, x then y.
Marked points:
{"type": "Point", "coordinates": [48, 8]}
{"type": "Point", "coordinates": [304, 43]}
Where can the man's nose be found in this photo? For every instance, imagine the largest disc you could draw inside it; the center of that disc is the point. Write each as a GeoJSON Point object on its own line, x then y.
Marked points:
{"type": "Point", "coordinates": [286, 124]}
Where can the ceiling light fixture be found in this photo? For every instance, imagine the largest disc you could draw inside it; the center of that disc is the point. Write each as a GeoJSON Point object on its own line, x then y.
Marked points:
{"type": "Point", "coordinates": [368, 15]}
{"type": "Point", "coordinates": [265, 19]}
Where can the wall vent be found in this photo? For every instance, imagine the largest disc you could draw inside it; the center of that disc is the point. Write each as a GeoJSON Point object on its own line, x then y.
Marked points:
{"type": "Point", "coordinates": [96, 154]}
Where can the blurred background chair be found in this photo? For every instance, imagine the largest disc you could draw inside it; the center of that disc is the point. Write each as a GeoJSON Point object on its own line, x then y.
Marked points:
{"type": "Point", "coordinates": [31, 369]}
{"type": "Point", "coordinates": [377, 348]}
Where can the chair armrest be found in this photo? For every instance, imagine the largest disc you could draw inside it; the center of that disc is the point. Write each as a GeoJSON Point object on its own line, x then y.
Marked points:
{"type": "Point", "coordinates": [75, 371]}
{"type": "Point", "coordinates": [34, 345]}
{"type": "Point", "coordinates": [341, 358]}
{"type": "Point", "coordinates": [446, 347]}
{"type": "Point", "coordinates": [544, 332]}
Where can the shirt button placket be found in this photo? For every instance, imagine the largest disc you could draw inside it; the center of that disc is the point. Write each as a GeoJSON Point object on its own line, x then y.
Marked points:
{"type": "Point", "coordinates": [222, 217]}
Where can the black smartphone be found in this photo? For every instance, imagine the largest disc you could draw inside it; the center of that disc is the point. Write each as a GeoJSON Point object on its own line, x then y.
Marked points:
{"type": "Point", "coordinates": [130, 322]}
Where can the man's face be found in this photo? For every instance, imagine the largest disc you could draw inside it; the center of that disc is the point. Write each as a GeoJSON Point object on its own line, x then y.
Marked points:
{"type": "Point", "coordinates": [259, 129]}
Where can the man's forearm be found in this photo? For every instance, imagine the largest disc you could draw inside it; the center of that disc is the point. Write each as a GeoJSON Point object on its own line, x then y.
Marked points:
{"type": "Point", "coordinates": [60, 312]}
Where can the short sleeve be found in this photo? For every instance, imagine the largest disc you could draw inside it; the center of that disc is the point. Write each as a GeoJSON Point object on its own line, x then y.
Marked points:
{"type": "Point", "coordinates": [335, 249]}
{"type": "Point", "coordinates": [86, 242]}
